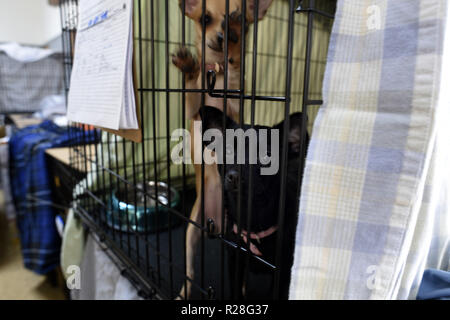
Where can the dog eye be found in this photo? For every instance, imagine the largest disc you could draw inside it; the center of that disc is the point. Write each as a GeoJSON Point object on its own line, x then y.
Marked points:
{"type": "Point", "coordinates": [207, 18]}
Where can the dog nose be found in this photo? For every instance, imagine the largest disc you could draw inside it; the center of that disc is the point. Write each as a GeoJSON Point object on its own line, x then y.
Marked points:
{"type": "Point", "coordinates": [220, 38]}
{"type": "Point", "coordinates": [232, 179]}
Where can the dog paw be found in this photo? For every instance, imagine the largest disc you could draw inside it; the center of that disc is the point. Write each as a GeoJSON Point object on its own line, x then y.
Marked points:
{"type": "Point", "coordinates": [184, 60]}
{"type": "Point", "coordinates": [234, 26]}
{"type": "Point", "coordinates": [236, 18]}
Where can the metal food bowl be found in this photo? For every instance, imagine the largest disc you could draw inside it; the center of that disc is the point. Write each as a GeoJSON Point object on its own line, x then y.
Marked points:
{"type": "Point", "coordinates": [132, 210]}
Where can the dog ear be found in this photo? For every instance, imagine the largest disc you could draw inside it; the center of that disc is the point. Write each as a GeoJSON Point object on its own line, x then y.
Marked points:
{"type": "Point", "coordinates": [263, 5]}
{"type": "Point", "coordinates": [190, 7]}
{"type": "Point", "coordinates": [295, 133]}
{"type": "Point", "coordinates": [212, 118]}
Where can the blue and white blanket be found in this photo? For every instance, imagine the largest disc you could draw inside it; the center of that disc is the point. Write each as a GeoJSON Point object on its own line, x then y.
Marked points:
{"type": "Point", "coordinates": [374, 210]}
{"type": "Point", "coordinates": [31, 190]}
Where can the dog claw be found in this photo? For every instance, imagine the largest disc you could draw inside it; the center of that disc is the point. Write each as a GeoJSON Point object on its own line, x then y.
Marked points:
{"type": "Point", "coordinates": [234, 26]}
{"type": "Point", "coordinates": [184, 60]}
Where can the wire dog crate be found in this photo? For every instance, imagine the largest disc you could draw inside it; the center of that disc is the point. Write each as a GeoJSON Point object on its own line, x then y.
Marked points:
{"type": "Point", "coordinates": [284, 56]}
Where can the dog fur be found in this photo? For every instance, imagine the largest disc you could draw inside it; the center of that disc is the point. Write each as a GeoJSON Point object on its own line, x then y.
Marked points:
{"type": "Point", "coordinates": [264, 203]}
{"type": "Point", "coordinates": [191, 66]}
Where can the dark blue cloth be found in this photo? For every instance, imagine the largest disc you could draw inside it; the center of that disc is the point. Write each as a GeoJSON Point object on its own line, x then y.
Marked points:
{"type": "Point", "coordinates": [31, 190]}
{"type": "Point", "coordinates": [435, 285]}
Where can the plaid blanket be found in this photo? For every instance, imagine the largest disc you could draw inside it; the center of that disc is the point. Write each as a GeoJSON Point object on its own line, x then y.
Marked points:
{"type": "Point", "coordinates": [25, 84]}
{"type": "Point", "coordinates": [30, 186]}
{"type": "Point", "coordinates": [374, 207]}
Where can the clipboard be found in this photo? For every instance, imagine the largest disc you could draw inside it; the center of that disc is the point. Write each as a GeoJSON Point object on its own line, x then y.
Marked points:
{"type": "Point", "coordinates": [134, 135]}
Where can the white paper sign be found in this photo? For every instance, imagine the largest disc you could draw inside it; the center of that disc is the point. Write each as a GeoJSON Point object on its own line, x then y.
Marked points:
{"type": "Point", "coordinates": [101, 88]}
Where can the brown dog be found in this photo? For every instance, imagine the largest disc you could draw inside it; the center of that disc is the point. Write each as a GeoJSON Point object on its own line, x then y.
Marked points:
{"type": "Point", "coordinates": [214, 19]}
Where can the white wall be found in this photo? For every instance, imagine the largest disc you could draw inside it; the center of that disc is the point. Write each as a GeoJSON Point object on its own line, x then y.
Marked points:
{"type": "Point", "coordinates": [28, 21]}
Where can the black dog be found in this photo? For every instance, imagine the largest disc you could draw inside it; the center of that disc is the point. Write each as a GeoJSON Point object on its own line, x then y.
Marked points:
{"type": "Point", "coordinates": [260, 235]}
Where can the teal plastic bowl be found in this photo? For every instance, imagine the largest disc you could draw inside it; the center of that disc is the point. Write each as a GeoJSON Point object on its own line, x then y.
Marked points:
{"type": "Point", "coordinates": [124, 215]}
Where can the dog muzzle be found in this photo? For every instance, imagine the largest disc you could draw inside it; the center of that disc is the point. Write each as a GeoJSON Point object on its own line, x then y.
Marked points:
{"type": "Point", "coordinates": [256, 236]}
{"type": "Point", "coordinates": [217, 67]}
